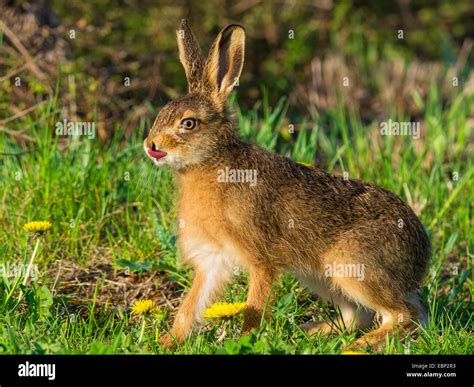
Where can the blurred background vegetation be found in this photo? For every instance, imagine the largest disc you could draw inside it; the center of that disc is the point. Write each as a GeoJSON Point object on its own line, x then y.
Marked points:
{"type": "Point", "coordinates": [390, 51]}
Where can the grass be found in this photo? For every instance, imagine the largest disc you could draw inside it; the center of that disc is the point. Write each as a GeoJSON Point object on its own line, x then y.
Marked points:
{"type": "Point", "coordinates": [107, 201]}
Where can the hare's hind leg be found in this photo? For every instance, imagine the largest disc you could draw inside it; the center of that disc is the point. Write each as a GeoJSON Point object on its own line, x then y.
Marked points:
{"type": "Point", "coordinates": [402, 318]}
{"type": "Point", "coordinates": [350, 317]}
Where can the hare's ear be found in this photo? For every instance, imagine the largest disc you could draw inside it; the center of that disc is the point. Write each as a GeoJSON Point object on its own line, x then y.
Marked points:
{"type": "Point", "coordinates": [224, 64]}
{"type": "Point", "coordinates": [190, 56]}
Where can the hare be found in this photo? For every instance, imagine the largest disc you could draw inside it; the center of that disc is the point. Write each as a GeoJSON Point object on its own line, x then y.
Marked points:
{"type": "Point", "coordinates": [352, 243]}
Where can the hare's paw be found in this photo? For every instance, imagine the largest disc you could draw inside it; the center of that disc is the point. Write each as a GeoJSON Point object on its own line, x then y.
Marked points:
{"type": "Point", "coordinates": [252, 318]}
{"type": "Point", "coordinates": [167, 341]}
{"type": "Point", "coordinates": [373, 340]}
{"type": "Point", "coordinates": [321, 327]}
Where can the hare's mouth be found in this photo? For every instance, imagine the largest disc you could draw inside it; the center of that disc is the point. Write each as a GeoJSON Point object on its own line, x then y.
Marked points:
{"type": "Point", "coordinates": [155, 153]}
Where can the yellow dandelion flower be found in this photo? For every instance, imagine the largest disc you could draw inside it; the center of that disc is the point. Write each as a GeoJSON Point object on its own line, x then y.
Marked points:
{"type": "Point", "coordinates": [352, 353]}
{"type": "Point", "coordinates": [143, 307]}
{"type": "Point", "coordinates": [224, 309]}
{"type": "Point", "coordinates": [37, 227]}
{"type": "Point", "coordinates": [305, 163]}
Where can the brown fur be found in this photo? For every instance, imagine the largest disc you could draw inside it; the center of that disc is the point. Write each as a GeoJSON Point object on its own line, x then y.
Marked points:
{"type": "Point", "coordinates": [295, 219]}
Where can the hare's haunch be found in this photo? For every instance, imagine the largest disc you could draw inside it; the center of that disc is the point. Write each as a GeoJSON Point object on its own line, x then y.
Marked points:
{"type": "Point", "coordinates": [352, 243]}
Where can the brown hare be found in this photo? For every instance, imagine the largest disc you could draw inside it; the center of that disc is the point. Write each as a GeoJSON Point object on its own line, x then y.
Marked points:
{"type": "Point", "coordinates": [352, 243]}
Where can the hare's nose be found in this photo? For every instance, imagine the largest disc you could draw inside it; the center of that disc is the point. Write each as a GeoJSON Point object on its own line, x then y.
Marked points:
{"type": "Point", "coordinates": [150, 143]}
{"type": "Point", "coordinates": [153, 150]}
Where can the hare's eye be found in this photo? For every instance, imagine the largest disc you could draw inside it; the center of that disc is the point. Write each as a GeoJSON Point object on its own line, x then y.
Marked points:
{"type": "Point", "coordinates": [188, 123]}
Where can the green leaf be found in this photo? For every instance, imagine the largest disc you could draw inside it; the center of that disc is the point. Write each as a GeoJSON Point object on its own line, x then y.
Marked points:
{"type": "Point", "coordinates": [45, 301]}
{"type": "Point", "coordinates": [133, 266]}
{"type": "Point", "coordinates": [450, 244]}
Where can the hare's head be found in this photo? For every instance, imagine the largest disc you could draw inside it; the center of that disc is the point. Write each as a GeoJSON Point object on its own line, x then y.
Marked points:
{"type": "Point", "coordinates": [190, 129]}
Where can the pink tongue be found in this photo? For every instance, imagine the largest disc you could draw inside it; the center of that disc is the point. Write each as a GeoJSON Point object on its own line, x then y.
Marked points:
{"type": "Point", "coordinates": [156, 154]}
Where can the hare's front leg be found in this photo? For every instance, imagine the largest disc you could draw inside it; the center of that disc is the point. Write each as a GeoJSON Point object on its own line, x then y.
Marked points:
{"type": "Point", "coordinates": [207, 284]}
{"type": "Point", "coordinates": [259, 297]}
